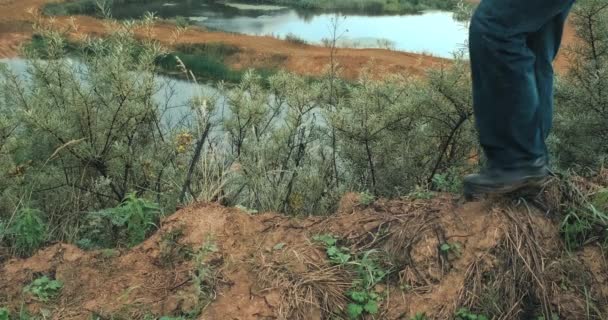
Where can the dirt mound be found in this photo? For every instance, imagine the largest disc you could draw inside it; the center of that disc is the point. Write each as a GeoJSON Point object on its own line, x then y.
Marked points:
{"type": "Point", "coordinates": [501, 259]}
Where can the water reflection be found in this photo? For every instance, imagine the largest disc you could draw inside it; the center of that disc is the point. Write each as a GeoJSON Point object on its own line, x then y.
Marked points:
{"type": "Point", "coordinates": [436, 33]}
{"type": "Point", "coordinates": [173, 96]}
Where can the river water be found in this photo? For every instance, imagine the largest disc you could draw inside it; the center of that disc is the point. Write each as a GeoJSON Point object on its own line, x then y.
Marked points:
{"type": "Point", "coordinates": [436, 33]}
{"type": "Point", "coordinates": [173, 95]}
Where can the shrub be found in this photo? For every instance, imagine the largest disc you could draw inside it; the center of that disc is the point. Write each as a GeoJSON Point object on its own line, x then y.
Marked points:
{"type": "Point", "coordinates": [44, 288]}
{"type": "Point", "coordinates": [87, 133]}
{"type": "Point", "coordinates": [581, 114]}
{"type": "Point", "coordinates": [27, 232]}
{"type": "Point", "coordinates": [128, 224]}
{"type": "Point", "coordinates": [292, 38]}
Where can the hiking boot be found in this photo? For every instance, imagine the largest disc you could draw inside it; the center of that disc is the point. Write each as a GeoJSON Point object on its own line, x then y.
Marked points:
{"type": "Point", "coordinates": [503, 181]}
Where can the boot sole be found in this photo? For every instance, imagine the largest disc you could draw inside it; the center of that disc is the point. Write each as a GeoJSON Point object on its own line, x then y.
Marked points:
{"type": "Point", "coordinates": [472, 190]}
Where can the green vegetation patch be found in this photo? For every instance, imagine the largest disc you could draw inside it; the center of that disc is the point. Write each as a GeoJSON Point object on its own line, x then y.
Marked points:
{"type": "Point", "coordinates": [128, 224]}
{"type": "Point", "coordinates": [44, 288]}
{"type": "Point", "coordinates": [364, 300]}
{"type": "Point", "coordinates": [207, 61]}
{"type": "Point", "coordinates": [368, 6]}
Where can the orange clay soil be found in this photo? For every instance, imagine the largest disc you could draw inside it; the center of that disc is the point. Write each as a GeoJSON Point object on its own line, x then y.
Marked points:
{"type": "Point", "coordinates": [15, 28]}
{"type": "Point", "coordinates": [266, 266]}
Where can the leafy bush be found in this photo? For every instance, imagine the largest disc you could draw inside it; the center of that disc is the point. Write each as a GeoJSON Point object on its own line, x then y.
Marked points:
{"type": "Point", "coordinates": [44, 288]}
{"type": "Point", "coordinates": [27, 232]}
{"type": "Point", "coordinates": [292, 38]}
{"type": "Point", "coordinates": [364, 300]}
{"type": "Point", "coordinates": [581, 114]}
{"type": "Point", "coordinates": [365, 198]}
{"type": "Point", "coordinates": [128, 224]}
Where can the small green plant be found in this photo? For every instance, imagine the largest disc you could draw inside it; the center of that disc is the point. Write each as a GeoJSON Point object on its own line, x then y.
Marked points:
{"type": "Point", "coordinates": [362, 302]}
{"type": "Point", "coordinates": [336, 254]}
{"type": "Point", "coordinates": [366, 198]}
{"type": "Point", "coordinates": [579, 225]}
{"type": "Point", "coordinates": [448, 182]}
{"type": "Point", "coordinates": [203, 277]}
{"type": "Point", "coordinates": [171, 250]}
{"type": "Point", "coordinates": [4, 314]}
{"type": "Point", "coordinates": [27, 231]}
{"type": "Point", "coordinates": [419, 316]}
{"type": "Point", "coordinates": [600, 200]}
{"type": "Point", "coordinates": [466, 314]}
{"type": "Point", "coordinates": [369, 271]}
{"type": "Point", "coordinates": [421, 193]}
{"type": "Point", "coordinates": [130, 223]}
{"type": "Point", "coordinates": [44, 288]}
{"type": "Point", "coordinates": [451, 248]}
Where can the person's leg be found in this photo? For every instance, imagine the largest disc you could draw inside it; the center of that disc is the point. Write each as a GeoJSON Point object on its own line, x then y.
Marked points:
{"type": "Point", "coordinates": [545, 44]}
{"type": "Point", "coordinates": [512, 45]}
{"type": "Point", "coordinates": [507, 99]}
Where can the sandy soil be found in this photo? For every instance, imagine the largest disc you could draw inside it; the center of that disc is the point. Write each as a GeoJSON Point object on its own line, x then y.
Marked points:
{"type": "Point", "coordinates": [15, 28]}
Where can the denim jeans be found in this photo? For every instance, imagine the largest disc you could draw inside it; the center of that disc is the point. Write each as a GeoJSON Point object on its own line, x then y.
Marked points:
{"type": "Point", "coordinates": [513, 44]}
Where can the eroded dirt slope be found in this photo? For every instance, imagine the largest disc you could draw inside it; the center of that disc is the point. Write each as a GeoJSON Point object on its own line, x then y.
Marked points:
{"type": "Point", "coordinates": [267, 267]}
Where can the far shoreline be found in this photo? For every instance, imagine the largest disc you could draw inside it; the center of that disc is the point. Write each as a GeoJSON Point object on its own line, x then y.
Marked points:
{"type": "Point", "coordinates": [257, 51]}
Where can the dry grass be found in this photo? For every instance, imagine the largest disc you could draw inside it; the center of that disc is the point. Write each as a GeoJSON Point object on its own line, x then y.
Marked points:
{"type": "Point", "coordinates": [510, 283]}
{"type": "Point", "coordinates": [308, 286]}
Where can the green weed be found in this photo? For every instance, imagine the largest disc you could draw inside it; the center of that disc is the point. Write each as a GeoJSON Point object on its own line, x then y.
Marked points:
{"type": "Point", "coordinates": [421, 193]}
{"type": "Point", "coordinates": [580, 225]}
{"type": "Point", "coordinates": [364, 300]}
{"type": "Point", "coordinates": [419, 316]}
{"type": "Point", "coordinates": [466, 314]}
{"type": "Point", "coordinates": [128, 223]}
{"type": "Point", "coordinates": [27, 231]}
{"type": "Point", "coordinates": [203, 276]}
{"type": "Point", "coordinates": [600, 200]}
{"type": "Point", "coordinates": [171, 250]}
{"type": "Point", "coordinates": [336, 254]}
{"type": "Point", "coordinates": [4, 314]}
{"type": "Point", "coordinates": [366, 198]}
{"type": "Point", "coordinates": [447, 182]}
{"type": "Point", "coordinates": [44, 288]}
{"type": "Point", "coordinates": [451, 248]}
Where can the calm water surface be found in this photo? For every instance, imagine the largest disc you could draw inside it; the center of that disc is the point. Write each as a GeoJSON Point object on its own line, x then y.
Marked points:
{"type": "Point", "coordinates": [436, 33]}
{"type": "Point", "coordinates": [173, 95]}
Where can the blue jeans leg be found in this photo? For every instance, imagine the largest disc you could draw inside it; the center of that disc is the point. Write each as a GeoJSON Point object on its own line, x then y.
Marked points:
{"type": "Point", "coordinates": [545, 44]}
{"type": "Point", "coordinates": [512, 46]}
